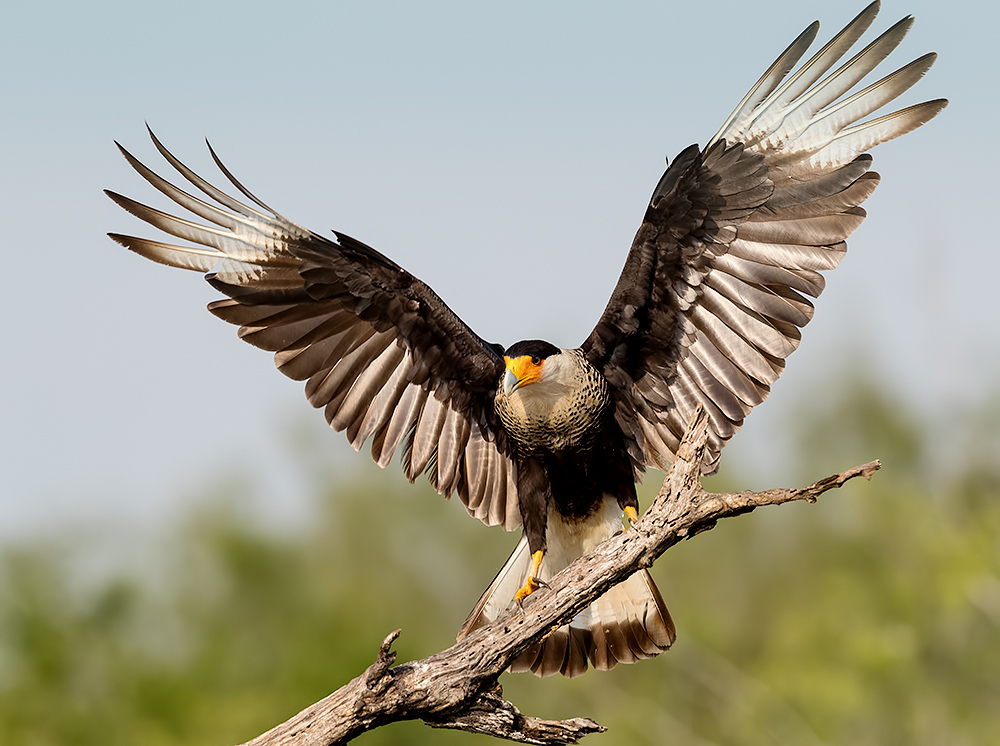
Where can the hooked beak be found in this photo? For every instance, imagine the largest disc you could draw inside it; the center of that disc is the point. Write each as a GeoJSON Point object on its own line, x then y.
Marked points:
{"type": "Point", "coordinates": [510, 382]}
{"type": "Point", "coordinates": [520, 372]}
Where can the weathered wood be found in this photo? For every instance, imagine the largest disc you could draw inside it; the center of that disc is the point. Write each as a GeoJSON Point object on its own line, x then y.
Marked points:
{"type": "Point", "coordinates": [457, 688]}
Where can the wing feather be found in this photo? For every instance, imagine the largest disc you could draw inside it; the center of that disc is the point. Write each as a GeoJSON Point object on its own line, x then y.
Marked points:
{"type": "Point", "coordinates": [787, 120]}
{"type": "Point", "coordinates": [380, 353]}
{"type": "Point", "coordinates": [382, 405]}
{"type": "Point", "coordinates": [716, 287]}
{"type": "Point", "coordinates": [355, 416]}
{"type": "Point", "coordinates": [768, 303]}
{"type": "Point", "coordinates": [424, 435]}
{"type": "Point", "coordinates": [451, 444]}
{"type": "Point", "coordinates": [477, 462]}
{"type": "Point", "coordinates": [400, 423]}
{"type": "Point", "coordinates": [728, 372]}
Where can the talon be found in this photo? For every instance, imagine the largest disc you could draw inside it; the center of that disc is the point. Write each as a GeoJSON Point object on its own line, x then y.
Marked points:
{"type": "Point", "coordinates": [533, 583]}
{"type": "Point", "coordinates": [529, 587]}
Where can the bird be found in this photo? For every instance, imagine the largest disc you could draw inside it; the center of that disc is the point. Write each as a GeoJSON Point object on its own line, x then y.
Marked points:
{"type": "Point", "coordinates": [716, 287]}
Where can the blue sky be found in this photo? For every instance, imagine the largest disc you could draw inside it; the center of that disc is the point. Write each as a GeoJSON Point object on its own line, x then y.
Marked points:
{"type": "Point", "coordinates": [503, 152]}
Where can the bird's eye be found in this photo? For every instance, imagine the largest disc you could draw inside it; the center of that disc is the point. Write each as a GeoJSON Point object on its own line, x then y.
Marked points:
{"type": "Point", "coordinates": [536, 360]}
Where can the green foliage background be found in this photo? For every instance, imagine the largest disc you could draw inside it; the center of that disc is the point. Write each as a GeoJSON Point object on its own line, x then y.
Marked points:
{"type": "Point", "coordinates": [872, 617]}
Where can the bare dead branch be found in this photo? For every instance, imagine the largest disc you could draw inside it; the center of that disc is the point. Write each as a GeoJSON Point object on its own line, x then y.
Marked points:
{"type": "Point", "coordinates": [457, 688]}
{"type": "Point", "coordinates": [492, 714]}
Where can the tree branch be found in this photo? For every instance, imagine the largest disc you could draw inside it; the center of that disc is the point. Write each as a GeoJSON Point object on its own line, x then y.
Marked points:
{"type": "Point", "coordinates": [457, 688]}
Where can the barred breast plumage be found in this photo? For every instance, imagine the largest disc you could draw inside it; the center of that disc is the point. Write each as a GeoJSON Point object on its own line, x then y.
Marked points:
{"type": "Point", "coordinates": [565, 414]}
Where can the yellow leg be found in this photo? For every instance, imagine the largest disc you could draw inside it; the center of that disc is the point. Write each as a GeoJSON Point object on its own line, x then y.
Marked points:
{"type": "Point", "coordinates": [532, 583]}
{"type": "Point", "coordinates": [633, 516]}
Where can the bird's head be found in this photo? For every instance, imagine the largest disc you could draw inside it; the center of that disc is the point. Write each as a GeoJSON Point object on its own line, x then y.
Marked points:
{"type": "Point", "coordinates": [527, 363]}
{"type": "Point", "coordinates": [549, 398]}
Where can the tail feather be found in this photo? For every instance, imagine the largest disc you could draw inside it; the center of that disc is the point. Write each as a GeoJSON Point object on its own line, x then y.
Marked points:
{"type": "Point", "coordinates": [629, 623]}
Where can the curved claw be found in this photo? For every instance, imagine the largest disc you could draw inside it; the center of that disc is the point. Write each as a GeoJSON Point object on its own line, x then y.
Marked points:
{"type": "Point", "coordinates": [529, 587]}
{"type": "Point", "coordinates": [532, 584]}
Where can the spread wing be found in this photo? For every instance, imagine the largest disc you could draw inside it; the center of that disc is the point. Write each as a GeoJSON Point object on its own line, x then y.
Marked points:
{"type": "Point", "coordinates": [379, 351]}
{"type": "Point", "coordinates": [717, 283]}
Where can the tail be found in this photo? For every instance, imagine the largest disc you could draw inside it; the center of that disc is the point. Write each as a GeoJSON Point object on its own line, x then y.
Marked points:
{"type": "Point", "coordinates": [629, 623]}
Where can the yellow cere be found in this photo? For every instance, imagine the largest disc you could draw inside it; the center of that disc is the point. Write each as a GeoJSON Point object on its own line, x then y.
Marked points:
{"type": "Point", "coordinates": [525, 368]}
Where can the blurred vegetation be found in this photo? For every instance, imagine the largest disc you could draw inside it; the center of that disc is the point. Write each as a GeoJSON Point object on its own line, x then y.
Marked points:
{"type": "Point", "coordinates": [872, 617]}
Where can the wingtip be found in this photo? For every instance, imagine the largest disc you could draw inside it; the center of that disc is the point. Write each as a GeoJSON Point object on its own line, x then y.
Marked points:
{"type": "Point", "coordinates": [215, 157]}
{"type": "Point", "coordinates": [120, 239]}
{"type": "Point", "coordinates": [905, 23]}
{"type": "Point", "coordinates": [152, 136]}
{"type": "Point", "coordinates": [160, 147]}
{"type": "Point", "coordinates": [121, 200]}
{"type": "Point", "coordinates": [807, 37]}
{"type": "Point", "coordinates": [114, 196]}
{"type": "Point", "coordinates": [936, 106]}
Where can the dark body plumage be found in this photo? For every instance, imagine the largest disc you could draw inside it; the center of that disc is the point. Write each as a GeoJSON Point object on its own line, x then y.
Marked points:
{"type": "Point", "coordinates": [710, 302]}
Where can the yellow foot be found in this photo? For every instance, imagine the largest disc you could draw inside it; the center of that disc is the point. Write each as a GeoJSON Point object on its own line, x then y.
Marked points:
{"type": "Point", "coordinates": [533, 583]}
{"type": "Point", "coordinates": [530, 587]}
{"type": "Point", "coordinates": [633, 516]}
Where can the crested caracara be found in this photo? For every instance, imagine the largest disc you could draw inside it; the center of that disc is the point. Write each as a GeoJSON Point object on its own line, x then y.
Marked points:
{"type": "Point", "coordinates": [715, 289]}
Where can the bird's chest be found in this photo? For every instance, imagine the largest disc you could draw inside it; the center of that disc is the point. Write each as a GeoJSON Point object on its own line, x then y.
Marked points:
{"type": "Point", "coordinates": [564, 426]}
{"type": "Point", "coordinates": [555, 419]}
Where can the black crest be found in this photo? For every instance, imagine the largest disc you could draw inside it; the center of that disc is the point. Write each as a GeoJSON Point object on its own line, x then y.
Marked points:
{"type": "Point", "coordinates": [533, 347]}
